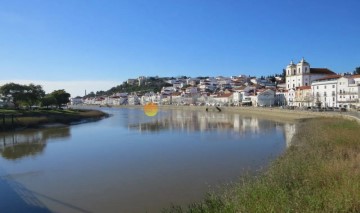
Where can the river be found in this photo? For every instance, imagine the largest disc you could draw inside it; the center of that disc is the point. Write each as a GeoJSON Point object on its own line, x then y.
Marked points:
{"type": "Point", "coordinates": [130, 162]}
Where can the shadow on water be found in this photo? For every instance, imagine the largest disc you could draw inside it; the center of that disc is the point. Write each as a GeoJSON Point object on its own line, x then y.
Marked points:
{"type": "Point", "coordinates": [14, 197]}
{"type": "Point", "coordinates": [16, 145]}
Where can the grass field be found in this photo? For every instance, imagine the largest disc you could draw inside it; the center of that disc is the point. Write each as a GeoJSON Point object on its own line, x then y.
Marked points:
{"type": "Point", "coordinates": [320, 172]}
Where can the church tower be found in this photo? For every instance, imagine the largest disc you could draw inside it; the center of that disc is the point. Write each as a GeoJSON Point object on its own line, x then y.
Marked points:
{"type": "Point", "coordinates": [303, 67]}
{"type": "Point", "coordinates": [290, 71]}
{"type": "Point", "coordinates": [298, 75]}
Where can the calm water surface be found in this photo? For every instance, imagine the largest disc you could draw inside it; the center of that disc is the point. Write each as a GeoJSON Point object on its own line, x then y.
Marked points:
{"type": "Point", "coordinates": [133, 163]}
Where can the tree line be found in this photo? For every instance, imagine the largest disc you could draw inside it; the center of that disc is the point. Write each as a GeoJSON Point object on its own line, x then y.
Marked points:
{"type": "Point", "coordinates": [32, 95]}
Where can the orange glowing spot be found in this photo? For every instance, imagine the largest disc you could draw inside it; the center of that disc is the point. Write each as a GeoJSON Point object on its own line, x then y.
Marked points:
{"type": "Point", "coordinates": [150, 109]}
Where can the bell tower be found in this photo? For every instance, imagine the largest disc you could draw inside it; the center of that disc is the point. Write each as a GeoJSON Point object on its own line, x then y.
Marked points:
{"type": "Point", "coordinates": [303, 67]}
{"type": "Point", "coordinates": [290, 73]}
{"type": "Point", "coordinates": [291, 69]}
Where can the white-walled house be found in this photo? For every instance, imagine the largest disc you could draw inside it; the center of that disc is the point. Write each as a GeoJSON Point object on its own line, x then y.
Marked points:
{"type": "Point", "coordinates": [191, 90]}
{"type": "Point", "coordinates": [324, 91]}
{"type": "Point", "coordinates": [178, 85]}
{"type": "Point", "coordinates": [290, 97]}
{"type": "Point", "coordinates": [175, 98]}
{"type": "Point", "coordinates": [348, 91]}
{"type": "Point", "coordinates": [303, 97]}
{"type": "Point", "coordinates": [356, 78]}
{"type": "Point", "coordinates": [133, 100]}
{"type": "Point", "coordinates": [265, 98]}
{"type": "Point", "coordinates": [168, 90]}
{"type": "Point", "coordinates": [151, 97]}
{"type": "Point", "coordinates": [77, 100]}
{"type": "Point", "coordinates": [225, 98]}
{"type": "Point", "coordinates": [237, 98]}
{"type": "Point", "coordinates": [192, 81]}
{"type": "Point", "coordinates": [280, 97]}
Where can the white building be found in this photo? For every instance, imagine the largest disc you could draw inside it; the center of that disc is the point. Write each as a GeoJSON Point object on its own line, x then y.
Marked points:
{"type": "Point", "coordinates": [280, 97]}
{"type": "Point", "coordinates": [324, 91]}
{"type": "Point", "coordinates": [191, 91]}
{"type": "Point", "coordinates": [300, 75]}
{"type": "Point", "coordinates": [75, 101]}
{"type": "Point", "coordinates": [133, 100]}
{"type": "Point", "coordinates": [168, 90]}
{"type": "Point", "coordinates": [304, 97]}
{"type": "Point", "coordinates": [237, 98]}
{"type": "Point", "coordinates": [223, 98]}
{"type": "Point", "coordinates": [151, 97]}
{"type": "Point", "coordinates": [265, 98]}
{"type": "Point", "coordinates": [348, 89]}
{"type": "Point", "coordinates": [336, 91]}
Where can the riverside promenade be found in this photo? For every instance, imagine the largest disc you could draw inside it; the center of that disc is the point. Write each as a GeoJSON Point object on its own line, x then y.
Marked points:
{"type": "Point", "coordinates": [274, 113]}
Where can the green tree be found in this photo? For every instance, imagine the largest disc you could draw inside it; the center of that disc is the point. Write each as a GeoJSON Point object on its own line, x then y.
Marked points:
{"type": "Point", "coordinates": [61, 96]}
{"type": "Point", "coordinates": [18, 94]}
{"type": "Point", "coordinates": [14, 93]}
{"type": "Point", "coordinates": [48, 100]}
{"type": "Point", "coordinates": [34, 93]}
{"type": "Point", "coordinates": [357, 71]}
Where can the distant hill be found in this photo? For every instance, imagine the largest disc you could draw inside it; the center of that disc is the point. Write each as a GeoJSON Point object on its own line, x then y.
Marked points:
{"type": "Point", "coordinates": [151, 84]}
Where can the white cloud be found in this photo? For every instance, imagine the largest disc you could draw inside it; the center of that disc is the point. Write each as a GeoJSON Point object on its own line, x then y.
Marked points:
{"type": "Point", "coordinates": [75, 88]}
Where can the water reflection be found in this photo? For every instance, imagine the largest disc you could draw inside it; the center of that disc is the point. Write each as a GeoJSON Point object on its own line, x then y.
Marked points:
{"type": "Point", "coordinates": [206, 121]}
{"type": "Point", "coordinates": [17, 145]}
{"type": "Point", "coordinates": [289, 132]}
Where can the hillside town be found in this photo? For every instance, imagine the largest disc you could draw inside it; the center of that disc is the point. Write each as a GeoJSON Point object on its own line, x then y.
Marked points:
{"type": "Point", "coordinates": [303, 87]}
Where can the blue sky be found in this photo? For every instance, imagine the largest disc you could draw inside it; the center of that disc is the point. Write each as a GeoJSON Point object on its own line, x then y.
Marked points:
{"type": "Point", "coordinates": [82, 43]}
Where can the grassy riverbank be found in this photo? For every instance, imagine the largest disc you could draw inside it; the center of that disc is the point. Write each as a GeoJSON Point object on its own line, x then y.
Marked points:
{"type": "Point", "coordinates": [320, 172]}
{"type": "Point", "coordinates": [37, 118]}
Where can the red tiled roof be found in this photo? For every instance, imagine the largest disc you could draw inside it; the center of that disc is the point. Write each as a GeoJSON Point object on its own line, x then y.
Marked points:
{"type": "Point", "coordinates": [224, 95]}
{"type": "Point", "coordinates": [355, 76]}
{"type": "Point", "coordinates": [329, 77]}
{"type": "Point", "coordinates": [304, 87]}
{"type": "Point", "coordinates": [321, 71]}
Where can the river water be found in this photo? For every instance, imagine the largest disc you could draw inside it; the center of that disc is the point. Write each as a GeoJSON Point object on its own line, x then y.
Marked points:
{"type": "Point", "coordinates": [130, 162]}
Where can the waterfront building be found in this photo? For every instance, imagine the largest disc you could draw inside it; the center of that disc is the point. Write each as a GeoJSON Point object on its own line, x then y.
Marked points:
{"type": "Point", "coordinates": [348, 92]}
{"type": "Point", "coordinates": [302, 74]}
{"type": "Point", "coordinates": [265, 98]}
{"type": "Point", "coordinates": [133, 99]}
{"type": "Point", "coordinates": [324, 91]}
{"type": "Point", "coordinates": [280, 97]}
{"type": "Point", "coordinates": [223, 99]}
{"type": "Point", "coordinates": [336, 91]}
{"type": "Point", "coordinates": [77, 100]}
{"type": "Point", "coordinates": [303, 97]}
{"type": "Point", "coordinates": [237, 98]}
